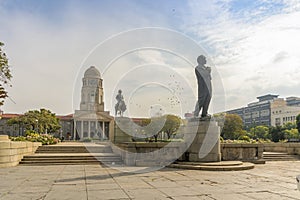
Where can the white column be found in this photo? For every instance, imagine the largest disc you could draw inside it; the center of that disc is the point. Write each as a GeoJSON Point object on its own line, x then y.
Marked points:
{"type": "Point", "coordinates": [81, 131]}
{"type": "Point", "coordinates": [96, 127]}
{"type": "Point", "coordinates": [74, 130]}
{"type": "Point", "coordinates": [103, 130]}
{"type": "Point", "coordinates": [89, 129]}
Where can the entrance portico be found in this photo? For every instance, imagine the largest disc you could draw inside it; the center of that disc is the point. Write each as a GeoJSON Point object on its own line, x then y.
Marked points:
{"type": "Point", "coordinates": [92, 126]}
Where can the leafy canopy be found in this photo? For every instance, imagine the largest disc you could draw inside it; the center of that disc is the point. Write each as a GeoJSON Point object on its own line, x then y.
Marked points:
{"type": "Point", "coordinates": [43, 121]}
{"type": "Point", "coordinates": [5, 74]}
{"type": "Point", "coordinates": [170, 126]}
{"type": "Point", "coordinates": [298, 122]}
{"type": "Point", "coordinates": [233, 127]}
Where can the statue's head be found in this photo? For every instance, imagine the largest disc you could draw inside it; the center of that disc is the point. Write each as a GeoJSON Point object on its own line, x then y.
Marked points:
{"type": "Point", "coordinates": [201, 60]}
{"type": "Point", "coordinates": [120, 91]}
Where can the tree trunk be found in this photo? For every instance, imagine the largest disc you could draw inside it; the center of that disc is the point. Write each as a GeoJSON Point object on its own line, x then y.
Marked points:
{"type": "Point", "coordinates": [169, 135]}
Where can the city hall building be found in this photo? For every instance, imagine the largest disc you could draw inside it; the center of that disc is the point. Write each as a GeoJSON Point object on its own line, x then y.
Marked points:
{"type": "Point", "coordinates": [90, 121]}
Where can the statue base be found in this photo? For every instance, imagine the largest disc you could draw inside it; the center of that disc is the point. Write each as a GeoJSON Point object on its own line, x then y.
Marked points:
{"type": "Point", "coordinates": [121, 124]}
{"type": "Point", "coordinates": [203, 135]}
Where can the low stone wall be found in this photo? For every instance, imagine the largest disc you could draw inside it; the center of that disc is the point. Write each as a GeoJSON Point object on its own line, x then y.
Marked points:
{"type": "Point", "coordinates": [161, 153]}
{"type": "Point", "coordinates": [11, 153]}
{"type": "Point", "coordinates": [290, 148]}
{"type": "Point", "coordinates": [149, 154]}
{"type": "Point", "coordinates": [242, 152]}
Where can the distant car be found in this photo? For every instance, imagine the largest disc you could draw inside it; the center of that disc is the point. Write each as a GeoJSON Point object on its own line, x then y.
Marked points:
{"type": "Point", "coordinates": [298, 182]}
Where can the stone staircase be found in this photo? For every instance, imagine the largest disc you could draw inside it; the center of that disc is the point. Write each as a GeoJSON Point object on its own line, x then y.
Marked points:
{"type": "Point", "coordinates": [73, 154]}
{"type": "Point", "coordinates": [278, 156]}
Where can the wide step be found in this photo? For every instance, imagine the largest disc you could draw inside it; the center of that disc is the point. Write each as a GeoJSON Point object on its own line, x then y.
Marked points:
{"type": "Point", "coordinates": [277, 156]}
{"type": "Point", "coordinates": [73, 149]}
{"type": "Point", "coordinates": [214, 166]}
{"type": "Point", "coordinates": [77, 154]}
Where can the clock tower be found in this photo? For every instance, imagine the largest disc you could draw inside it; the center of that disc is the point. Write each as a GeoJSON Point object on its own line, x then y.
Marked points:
{"type": "Point", "coordinates": [91, 120]}
{"type": "Point", "coordinates": [92, 91]}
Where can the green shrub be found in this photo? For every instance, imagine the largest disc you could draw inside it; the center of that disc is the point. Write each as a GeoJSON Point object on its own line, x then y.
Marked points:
{"type": "Point", "coordinates": [221, 139]}
{"type": "Point", "coordinates": [87, 140]}
{"type": "Point", "coordinates": [32, 136]}
{"type": "Point", "coordinates": [251, 141]}
{"type": "Point", "coordinates": [245, 138]}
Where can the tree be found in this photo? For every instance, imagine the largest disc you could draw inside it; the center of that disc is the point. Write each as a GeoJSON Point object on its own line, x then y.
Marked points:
{"type": "Point", "coordinates": [220, 118]}
{"type": "Point", "coordinates": [276, 133]}
{"type": "Point", "coordinates": [171, 125]}
{"type": "Point", "coordinates": [260, 132]}
{"type": "Point", "coordinates": [5, 74]}
{"type": "Point", "coordinates": [290, 130]}
{"type": "Point", "coordinates": [291, 133]}
{"type": "Point", "coordinates": [289, 125]}
{"type": "Point", "coordinates": [42, 121]}
{"type": "Point", "coordinates": [153, 129]}
{"type": "Point", "coordinates": [233, 127]}
{"type": "Point", "coordinates": [298, 122]}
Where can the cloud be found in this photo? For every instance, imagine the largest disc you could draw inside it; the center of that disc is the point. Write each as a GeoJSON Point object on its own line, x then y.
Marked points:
{"type": "Point", "coordinates": [46, 46]}
{"type": "Point", "coordinates": [254, 53]}
{"type": "Point", "coordinates": [280, 56]}
{"type": "Point", "coordinates": [253, 45]}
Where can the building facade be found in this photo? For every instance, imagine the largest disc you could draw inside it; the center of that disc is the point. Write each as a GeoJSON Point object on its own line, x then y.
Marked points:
{"type": "Point", "coordinates": [13, 130]}
{"type": "Point", "coordinates": [66, 122]}
{"type": "Point", "coordinates": [284, 114]}
{"type": "Point", "coordinates": [91, 121]}
{"type": "Point", "coordinates": [269, 110]}
{"type": "Point", "coordinates": [67, 126]}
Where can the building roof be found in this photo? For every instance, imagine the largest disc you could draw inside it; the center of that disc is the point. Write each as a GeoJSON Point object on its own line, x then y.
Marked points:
{"type": "Point", "coordinates": [12, 115]}
{"type": "Point", "coordinates": [92, 72]}
{"type": "Point", "coordinates": [267, 97]}
{"type": "Point", "coordinates": [292, 98]}
{"type": "Point", "coordinates": [65, 117]}
{"type": "Point", "coordinates": [9, 115]}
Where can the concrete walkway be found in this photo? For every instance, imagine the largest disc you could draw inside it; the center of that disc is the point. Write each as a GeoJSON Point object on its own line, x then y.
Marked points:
{"type": "Point", "coordinates": [274, 180]}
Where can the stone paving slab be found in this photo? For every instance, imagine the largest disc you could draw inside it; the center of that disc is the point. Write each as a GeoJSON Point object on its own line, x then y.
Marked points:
{"type": "Point", "coordinates": [274, 180]}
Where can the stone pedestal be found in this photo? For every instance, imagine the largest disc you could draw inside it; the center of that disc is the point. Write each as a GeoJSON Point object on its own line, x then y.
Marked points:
{"type": "Point", "coordinates": [121, 126]}
{"type": "Point", "coordinates": [204, 139]}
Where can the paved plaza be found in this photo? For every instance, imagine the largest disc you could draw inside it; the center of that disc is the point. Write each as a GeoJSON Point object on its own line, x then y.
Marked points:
{"type": "Point", "coordinates": [274, 180]}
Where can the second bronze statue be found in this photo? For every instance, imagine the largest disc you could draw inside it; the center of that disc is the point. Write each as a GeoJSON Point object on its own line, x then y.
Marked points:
{"type": "Point", "coordinates": [203, 74]}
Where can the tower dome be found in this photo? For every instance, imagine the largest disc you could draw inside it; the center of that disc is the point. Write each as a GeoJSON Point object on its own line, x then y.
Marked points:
{"type": "Point", "coordinates": [92, 72]}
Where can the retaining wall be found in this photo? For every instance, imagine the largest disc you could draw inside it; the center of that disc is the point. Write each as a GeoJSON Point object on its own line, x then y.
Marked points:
{"type": "Point", "coordinates": [149, 154]}
{"type": "Point", "coordinates": [242, 152]}
{"type": "Point", "coordinates": [290, 148]}
{"type": "Point", "coordinates": [11, 153]}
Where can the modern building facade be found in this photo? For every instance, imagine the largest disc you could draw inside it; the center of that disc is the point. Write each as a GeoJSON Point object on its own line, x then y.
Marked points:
{"type": "Point", "coordinates": [91, 121]}
{"type": "Point", "coordinates": [269, 110]}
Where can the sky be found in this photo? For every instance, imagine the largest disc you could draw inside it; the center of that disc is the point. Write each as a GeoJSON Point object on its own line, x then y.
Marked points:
{"type": "Point", "coordinates": [252, 47]}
